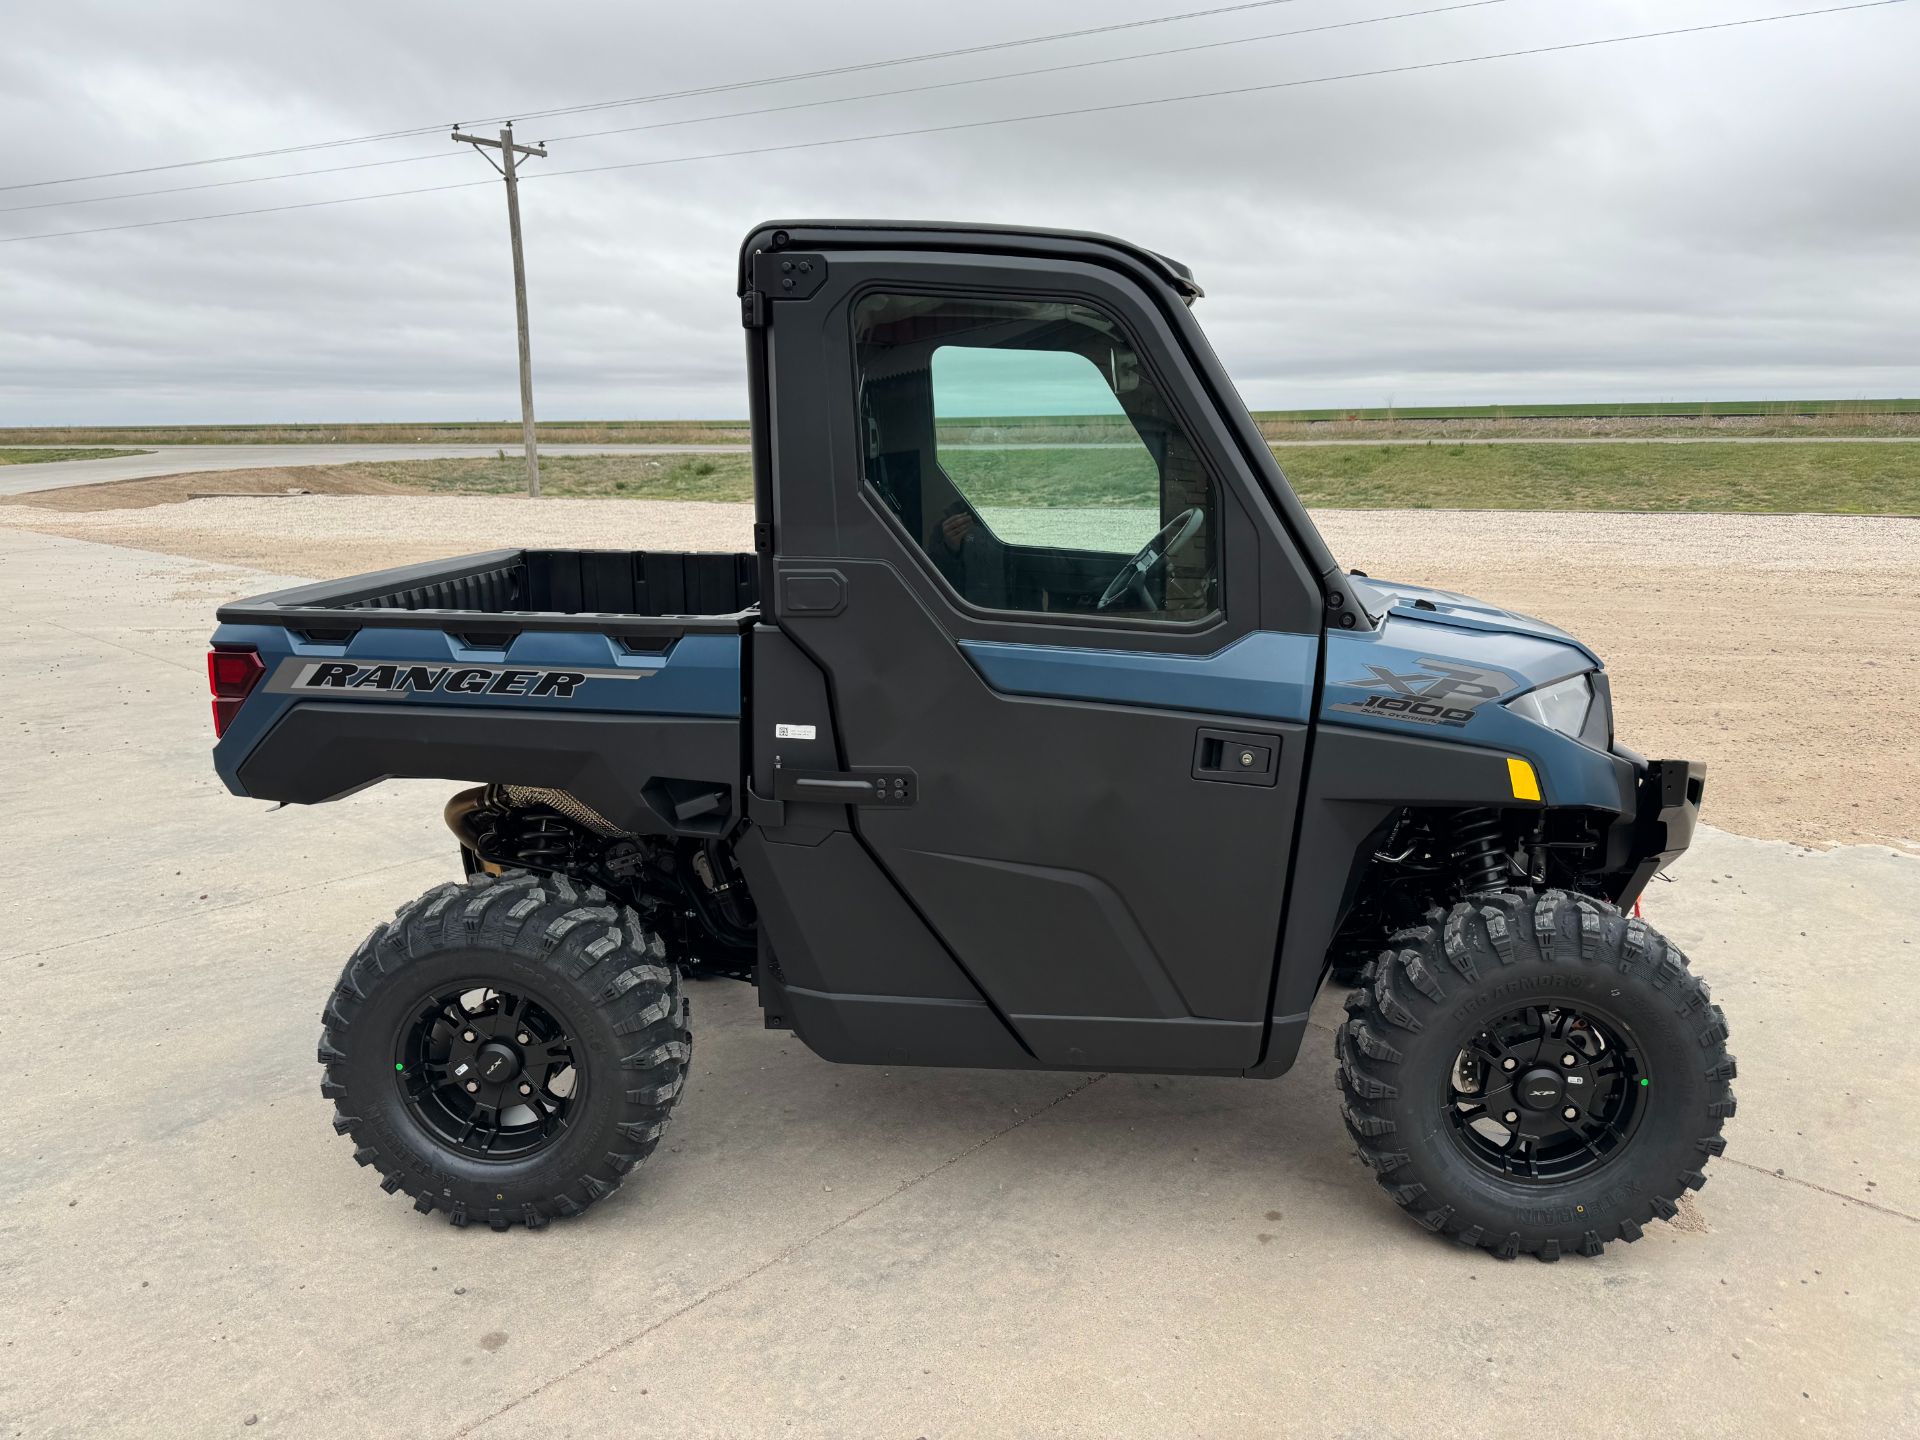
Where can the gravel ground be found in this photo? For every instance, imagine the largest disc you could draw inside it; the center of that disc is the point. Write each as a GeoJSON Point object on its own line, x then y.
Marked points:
{"type": "Point", "coordinates": [1778, 648]}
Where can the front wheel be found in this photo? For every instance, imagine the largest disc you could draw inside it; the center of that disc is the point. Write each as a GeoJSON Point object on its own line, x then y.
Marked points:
{"type": "Point", "coordinates": [506, 1049]}
{"type": "Point", "coordinates": [1535, 1073]}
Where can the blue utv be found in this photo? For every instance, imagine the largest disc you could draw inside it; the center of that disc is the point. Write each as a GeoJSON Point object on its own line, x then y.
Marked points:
{"type": "Point", "coordinates": [1038, 730]}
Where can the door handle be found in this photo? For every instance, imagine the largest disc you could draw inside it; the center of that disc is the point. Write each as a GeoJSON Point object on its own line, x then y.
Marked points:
{"type": "Point", "coordinates": [893, 786]}
{"type": "Point", "coordinates": [1236, 757]}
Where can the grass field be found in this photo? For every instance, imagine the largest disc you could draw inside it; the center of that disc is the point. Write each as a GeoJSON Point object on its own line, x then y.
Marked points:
{"type": "Point", "coordinates": [1887, 419]}
{"type": "Point", "coordinates": [636, 477]}
{"type": "Point", "coordinates": [1676, 409]}
{"type": "Point", "coordinates": [464, 432]}
{"type": "Point", "coordinates": [1754, 418]}
{"type": "Point", "coordinates": [41, 455]}
{"type": "Point", "coordinates": [1832, 410]}
{"type": "Point", "coordinates": [1838, 479]}
{"type": "Point", "coordinates": [1811, 478]}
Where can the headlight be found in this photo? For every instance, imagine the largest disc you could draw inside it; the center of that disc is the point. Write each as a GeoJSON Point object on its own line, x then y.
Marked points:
{"type": "Point", "coordinates": [1561, 706]}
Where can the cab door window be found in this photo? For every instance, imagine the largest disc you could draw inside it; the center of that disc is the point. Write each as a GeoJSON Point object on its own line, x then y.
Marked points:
{"type": "Point", "coordinates": [1031, 458]}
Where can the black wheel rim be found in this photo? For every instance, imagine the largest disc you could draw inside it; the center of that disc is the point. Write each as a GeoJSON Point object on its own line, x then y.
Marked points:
{"type": "Point", "coordinates": [1546, 1093]}
{"type": "Point", "coordinates": [488, 1073]}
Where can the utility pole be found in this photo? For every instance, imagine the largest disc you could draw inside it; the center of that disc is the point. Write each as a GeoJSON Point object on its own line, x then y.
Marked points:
{"type": "Point", "coordinates": [509, 152]}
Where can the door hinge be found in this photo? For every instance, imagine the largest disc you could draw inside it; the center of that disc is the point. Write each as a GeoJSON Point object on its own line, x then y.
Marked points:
{"type": "Point", "coordinates": [786, 275]}
{"type": "Point", "coordinates": [779, 276]}
{"type": "Point", "coordinates": [762, 537]}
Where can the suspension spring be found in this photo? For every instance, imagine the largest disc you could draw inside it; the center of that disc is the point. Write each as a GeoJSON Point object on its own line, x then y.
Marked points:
{"type": "Point", "coordinates": [1480, 850]}
{"type": "Point", "coordinates": [545, 842]}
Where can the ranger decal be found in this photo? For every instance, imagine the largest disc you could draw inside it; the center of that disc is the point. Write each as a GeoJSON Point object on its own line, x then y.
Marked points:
{"type": "Point", "coordinates": [346, 677]}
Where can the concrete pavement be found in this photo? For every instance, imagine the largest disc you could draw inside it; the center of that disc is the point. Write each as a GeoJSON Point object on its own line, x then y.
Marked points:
{"type": "Point", "coordinates": [185, 1246]}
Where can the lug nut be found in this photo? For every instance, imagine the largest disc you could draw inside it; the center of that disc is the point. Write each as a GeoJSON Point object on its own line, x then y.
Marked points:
{"type": "Point", "coordinates": [472, 1085]}
{"type": "Point", "coordinates": [1512, 1117]}
{"type": "Point", "coordinates": [1570, 1113]}
{"type": "Point", "coordinates": [522, 1038]}
{"type": "Point", "coordinates": [1569, 1059]}
{"type": "Point", "coordinates": [467, 1035]}
{"type": "Point", "coordinates": [526, 1089]}
{"type": "Point", "coordinates": [1509, 1063]}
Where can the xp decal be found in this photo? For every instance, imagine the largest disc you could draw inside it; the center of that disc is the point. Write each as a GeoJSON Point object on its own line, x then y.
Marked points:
{"type": "Point", "coordinates": [346, 678]}
{"type": "Point", "coordinates": [1440, 692]}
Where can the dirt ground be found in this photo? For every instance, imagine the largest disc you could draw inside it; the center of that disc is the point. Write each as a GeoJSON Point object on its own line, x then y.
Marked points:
{"type": "Point", "coordinates": [1783, 650]}
{"type": "Point", "coordinates": [278, 482]}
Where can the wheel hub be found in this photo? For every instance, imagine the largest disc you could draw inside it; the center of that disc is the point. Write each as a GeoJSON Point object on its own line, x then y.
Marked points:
{"type": "Point", "coordinates": [488, 1073]}
{"type": "Point", "coordinates": [1540, 1089]}
{"type": "Point", "coordinates": [496, 1063]}
{"type": "Point", "coordinates": [1545, 1093]}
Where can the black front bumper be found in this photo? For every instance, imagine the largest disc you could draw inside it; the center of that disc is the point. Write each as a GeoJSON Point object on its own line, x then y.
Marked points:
{"type": "Point", "coordinates": [1666, 808]}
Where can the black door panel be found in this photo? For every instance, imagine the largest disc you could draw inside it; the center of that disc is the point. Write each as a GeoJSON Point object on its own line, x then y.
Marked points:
{"type": "Point", "coordinates": [1063, 851]}
{"type": "Point", "coordinates": [1115, 904]}
{"type": "Point", "coordinates": [1061, 914]}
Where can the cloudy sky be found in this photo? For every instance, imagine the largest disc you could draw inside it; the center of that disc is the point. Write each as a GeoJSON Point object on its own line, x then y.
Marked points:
{"type": "Point", "coordinates": [1731, 214]}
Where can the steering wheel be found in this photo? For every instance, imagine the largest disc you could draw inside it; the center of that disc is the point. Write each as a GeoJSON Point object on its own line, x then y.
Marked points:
{"type": "Point", "coordinates": [1132, 579]}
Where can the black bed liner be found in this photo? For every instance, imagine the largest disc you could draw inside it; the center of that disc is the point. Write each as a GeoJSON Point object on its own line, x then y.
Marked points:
{"type": "Point", "coordinates": [621, 592]}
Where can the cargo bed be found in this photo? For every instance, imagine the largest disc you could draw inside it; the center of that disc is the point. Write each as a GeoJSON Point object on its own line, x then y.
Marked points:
{"type": "Point", "coordinates": [621, 592]}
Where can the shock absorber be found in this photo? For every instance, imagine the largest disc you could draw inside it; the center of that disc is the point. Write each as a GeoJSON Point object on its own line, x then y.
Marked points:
{"type": "Point", "coordinates": [1480, 851]}
{"type": "Point", "coordinates": [544, 843]}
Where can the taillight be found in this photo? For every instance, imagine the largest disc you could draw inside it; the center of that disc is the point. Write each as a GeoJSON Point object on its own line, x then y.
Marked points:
{"type": "Point", "coordinates": [231, 675]}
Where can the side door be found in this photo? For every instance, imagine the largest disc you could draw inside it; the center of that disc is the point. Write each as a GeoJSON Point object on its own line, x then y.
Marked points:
{"type": "Point", "coordinates": [1059, 619]}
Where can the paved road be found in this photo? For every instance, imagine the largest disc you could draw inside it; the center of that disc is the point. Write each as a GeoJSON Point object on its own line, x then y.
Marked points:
{"type": "Point", "coordinates": [183, 459]}
{"type": "Point", "coordinates": [818, 1250]}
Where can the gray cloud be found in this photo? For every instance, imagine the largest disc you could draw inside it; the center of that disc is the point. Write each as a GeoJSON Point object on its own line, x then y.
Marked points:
{"type": "Point", "coordinates": [1718, 215]}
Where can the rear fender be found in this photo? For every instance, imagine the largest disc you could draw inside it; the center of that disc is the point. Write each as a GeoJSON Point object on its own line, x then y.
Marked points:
{"type": "Point", "coordinates": [639, 736]}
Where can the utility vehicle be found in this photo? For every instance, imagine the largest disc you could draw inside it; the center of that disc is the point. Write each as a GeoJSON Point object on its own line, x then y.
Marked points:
{"type": "Point", "coordinates": [1039, 729]}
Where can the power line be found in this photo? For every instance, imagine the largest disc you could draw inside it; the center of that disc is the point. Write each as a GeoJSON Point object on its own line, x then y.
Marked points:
{"type": "Point", "coordinates": [797, 105]}
{"type": "Point", "coordinates": [1225, 93]}
{"type": "Point", "coordinates": [1007, 119]}
{"type": "Point", "coordinates": [224, 184]}
{"type": "Point", "coordinates": [261, 210]}
{"type": "Point", "coordinates": [954, 54]}
{"type": "Point", "coordinates": [1041, 70]}
{"type": "Point", "coordinates": [227, 159]}
{"type": "Point", "coordinates": [670, 94]}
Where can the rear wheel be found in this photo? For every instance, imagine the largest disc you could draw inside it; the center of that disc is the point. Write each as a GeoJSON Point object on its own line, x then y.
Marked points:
{"type": "Point", "coordinates": [505, 1049]}
{"type": "Point", "coordinates": [1535, 1073]}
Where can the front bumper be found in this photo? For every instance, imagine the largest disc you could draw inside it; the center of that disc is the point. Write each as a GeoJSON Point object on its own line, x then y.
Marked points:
{"type": "Point", "coordinates": [1666, 809]}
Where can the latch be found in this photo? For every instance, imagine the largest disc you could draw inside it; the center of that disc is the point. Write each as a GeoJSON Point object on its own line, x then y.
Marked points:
{"type": "Point", "coordinates": [1238, 757]}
